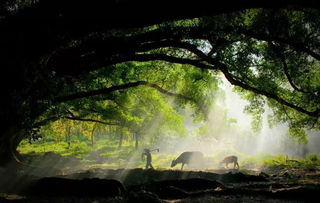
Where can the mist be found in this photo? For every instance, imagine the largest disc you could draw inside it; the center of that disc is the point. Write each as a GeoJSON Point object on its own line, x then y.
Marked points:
{"type": "Point", "coordinates": [227, 132]}
{"type": "Point", "coordinates": [273, 140]}
{"type": "Point", "coordinates": [240, 138]}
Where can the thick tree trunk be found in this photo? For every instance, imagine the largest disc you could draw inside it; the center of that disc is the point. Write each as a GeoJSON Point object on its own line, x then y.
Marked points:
{"type": "Point", "coordinates": [9, 141]}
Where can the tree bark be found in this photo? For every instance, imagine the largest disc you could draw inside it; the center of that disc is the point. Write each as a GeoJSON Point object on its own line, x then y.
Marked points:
{"type": "Point", "coordinates": [9, 142]}
{"type": "Point", "coordinates": [136, 135]}
{"type": "Point", "coordinates": [120, 140]}
{"type": "Point", "coordinates": [92, 134]}
{"type": "Point", "coordinates": [68, 136]}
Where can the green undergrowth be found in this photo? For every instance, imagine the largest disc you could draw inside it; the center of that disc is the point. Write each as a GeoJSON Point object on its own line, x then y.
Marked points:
{"type": "Point", "coordinates": [107, 154]}
{"type": "Point", "coordinates": [78, 149]}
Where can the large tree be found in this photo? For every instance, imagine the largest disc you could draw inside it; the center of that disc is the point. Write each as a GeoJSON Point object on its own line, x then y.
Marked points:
{"type": "Point", "coordinates": [269, 49]}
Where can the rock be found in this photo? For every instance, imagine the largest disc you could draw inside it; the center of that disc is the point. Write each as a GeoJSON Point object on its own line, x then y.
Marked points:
{"type": "Point", "coordinates": [265, 175]}
{"type": "Point", "coordinates": [143, 197]}
{"type": "Point", "coordinates": [287, 174]}
{"type": "Point", "coordinates": [93, 187]}
{"type": "Point", "coordinates": [240, 177]}
{"type": "Point", "coordinates": [180, 188]}
{"type": "Point", "coordinates": [307, 194]}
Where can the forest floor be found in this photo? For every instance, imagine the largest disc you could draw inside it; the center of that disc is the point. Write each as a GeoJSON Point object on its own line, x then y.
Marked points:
{"type": "Point", "coordinates": [49, 184]}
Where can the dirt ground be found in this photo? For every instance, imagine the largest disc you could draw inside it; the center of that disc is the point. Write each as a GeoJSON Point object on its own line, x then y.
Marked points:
{"type": "Point", "coordinates": [53, 183]}
{"type": "Point", "coordinates": [276, 184]}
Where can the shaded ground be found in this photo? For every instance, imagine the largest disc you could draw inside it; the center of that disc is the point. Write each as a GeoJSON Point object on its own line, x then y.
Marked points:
{"type": "Point", "coordinates": [276, 184]}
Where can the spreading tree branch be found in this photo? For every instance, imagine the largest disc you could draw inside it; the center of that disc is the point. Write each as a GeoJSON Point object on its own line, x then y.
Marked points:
{"type": "Point", "coordinates": [300, 47]}
{"type": "Point", "coordinates": [109, 90]}
{"type": "Point", "coordinates": [211, 63]}
{"type": "Point", "coordinates": [224, 69]}
{"type": "Point", "coordinates": [280, 100]}
{"type": "Point", "coordinates": [89, 120]}
{"type": "Point", "coordinates": [285, 67]}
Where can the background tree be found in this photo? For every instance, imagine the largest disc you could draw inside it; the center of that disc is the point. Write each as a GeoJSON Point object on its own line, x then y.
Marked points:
{"type": "Point", "coordinates": [50, 47]}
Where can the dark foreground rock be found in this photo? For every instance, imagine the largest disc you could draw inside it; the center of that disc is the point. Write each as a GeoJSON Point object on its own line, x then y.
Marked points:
{"type": "Point", "coordinates": [138, 185]}
{"type": "Point", "coordinates": [240, 177]}
{"type": "Point", "coordinates": [177, 189]}
{"type": "Point", "coordinates": [88, 187]}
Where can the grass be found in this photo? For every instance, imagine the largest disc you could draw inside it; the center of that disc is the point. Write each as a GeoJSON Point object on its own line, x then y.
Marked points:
{"type": "Point", "coordinates": [105, 154]}
{"type": "Point", "coordinates": [78, 149]}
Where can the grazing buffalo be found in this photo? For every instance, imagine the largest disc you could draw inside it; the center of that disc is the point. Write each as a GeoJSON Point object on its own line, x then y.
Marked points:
{"type": "Point", "coordinates": [230, 159]}
{"type": "Point", "coordinates": [191, 158]}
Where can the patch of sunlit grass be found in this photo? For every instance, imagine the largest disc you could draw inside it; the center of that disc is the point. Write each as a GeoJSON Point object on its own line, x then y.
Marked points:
{"type": "Point", "coordinates": [79, 149]}
{"type": "Point", "coordinates": [312, 160]}
{"type": "Point", "coordinates": [25, 148]}
{"type": "Point", "coordinates": [276, 160]}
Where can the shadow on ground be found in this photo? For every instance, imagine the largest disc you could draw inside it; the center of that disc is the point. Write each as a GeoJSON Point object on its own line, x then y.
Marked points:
{"type": "Point", "coordinates": [26, 183]}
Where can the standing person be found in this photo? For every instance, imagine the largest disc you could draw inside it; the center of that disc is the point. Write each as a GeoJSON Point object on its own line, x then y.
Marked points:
{"type": "Point", "coordinates": [147, 153]}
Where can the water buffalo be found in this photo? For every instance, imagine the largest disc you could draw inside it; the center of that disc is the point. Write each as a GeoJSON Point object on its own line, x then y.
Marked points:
{"type": "Point", "coordinates": [195, 158]}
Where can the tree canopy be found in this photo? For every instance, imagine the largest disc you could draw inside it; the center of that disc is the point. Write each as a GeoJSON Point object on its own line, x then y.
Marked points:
{"type": "Point", "coordinates": [102, 60]}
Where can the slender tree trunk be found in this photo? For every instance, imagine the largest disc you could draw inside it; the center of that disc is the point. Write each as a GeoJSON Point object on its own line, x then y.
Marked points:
{"type": "Point", "coordinates": [92, 134]}
{"type": "Point", "coordinates": [68, 136]}
{"type": "Point", "coordinates": [137, 140]}
{"type": "Point", "coordinates": [120, 139]}
{"type": "Point", "coordinates": [112, 132]}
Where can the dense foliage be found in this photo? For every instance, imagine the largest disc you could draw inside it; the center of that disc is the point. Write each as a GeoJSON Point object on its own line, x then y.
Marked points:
{"type": "Point", "coordinates": [112, 70]}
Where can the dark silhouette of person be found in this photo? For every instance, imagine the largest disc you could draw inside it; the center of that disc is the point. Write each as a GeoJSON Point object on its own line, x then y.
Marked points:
{"type": "Point", "coordinates": [147, 153]}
